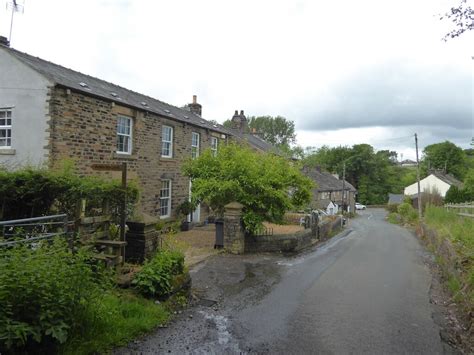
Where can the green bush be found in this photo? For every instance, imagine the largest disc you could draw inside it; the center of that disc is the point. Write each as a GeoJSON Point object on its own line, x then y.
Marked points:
{"type": "Point", "coordinates": [407, 213]}
{"type": "Point", "coordinates": [45, 294]}
{"type": "Point", "coordinates": [34, 192]}
{"type": "Point", "coordinates": [392, 207]}
{"type": "Point", "coordinates": [155, 277]}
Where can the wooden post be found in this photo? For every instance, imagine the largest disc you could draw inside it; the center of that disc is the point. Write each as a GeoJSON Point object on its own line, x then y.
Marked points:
{"type": "Point", "coordinates": [420, 213]}
{"type": "Point", "coordinates": [123, 214]}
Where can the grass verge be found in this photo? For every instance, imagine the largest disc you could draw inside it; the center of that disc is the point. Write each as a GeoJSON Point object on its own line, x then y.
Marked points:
{"type": "Point", "coordinates": [124, 317]}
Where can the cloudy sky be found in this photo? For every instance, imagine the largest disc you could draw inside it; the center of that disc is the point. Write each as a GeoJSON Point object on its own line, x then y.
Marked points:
{"type": "Point", "coordinates": [346, 72]}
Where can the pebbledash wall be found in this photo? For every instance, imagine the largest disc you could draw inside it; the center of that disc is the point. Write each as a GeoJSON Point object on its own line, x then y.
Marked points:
{"type": "Point", "coordinates": [84, 129]}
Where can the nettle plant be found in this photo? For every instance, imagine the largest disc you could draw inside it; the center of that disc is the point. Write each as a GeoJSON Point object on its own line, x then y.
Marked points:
{"type": "Point", "coordinates": [46, 294]}
{"type": "Point", "coordinates": [155, 277]}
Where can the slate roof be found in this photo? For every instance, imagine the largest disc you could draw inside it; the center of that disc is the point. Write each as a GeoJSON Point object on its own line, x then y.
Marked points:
{"type": "Point", "coordinates": [256, 141]}
{"type": "Point", "coordinates": [395, 198]}
{"type": "Point", "coordinates": [100, 88]}
{"type": "Point", "coordinates": [327, 182]}
{"type": "Point", "coordinates": [447, 178]}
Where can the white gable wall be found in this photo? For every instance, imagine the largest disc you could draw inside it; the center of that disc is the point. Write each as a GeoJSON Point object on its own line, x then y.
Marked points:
{"type": "Point", "coordinates": [428, 184]}
{"type": "Point", "coordinates": [25, 91]}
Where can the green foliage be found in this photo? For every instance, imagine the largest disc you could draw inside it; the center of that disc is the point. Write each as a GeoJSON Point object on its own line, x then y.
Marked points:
{"type": "Point", "coordinates": [185, 208]}
{"type": "Point", "coordinates": [392, 207]}
{"type": "Point", "coordinates": [119, 318]}
{"type": "Point", "coordinates": [154, 279]}
{"type": "Point", "coordinates": [278, 130]}
{"type": "Point", "coordinates": [407, 213]}
{"type": "Point", "coordinates": [45, 294]}
{"type": "Point", "coordinates": [445, 155]}
{"type": "Point", "coordinates": [460, 232]}
{"type": "Point", "coordinates": [267, 185]}
{"type": "Point", "coordinates": [34, 192]}
{"type": "Point", "coordinates": [393, 218]}
{"type": "Point", "coordinates": [373, 174]}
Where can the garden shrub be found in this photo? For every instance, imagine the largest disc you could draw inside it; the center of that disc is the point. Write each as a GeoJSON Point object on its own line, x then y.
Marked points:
{"type": "Point", "coordinates": [392, 207]}
{"type": "Point", "coordinates": [45, 294]}
{"type": "Point", "coordinates": [407, 213]}
{"type": "Point", "coordinates": [155, 277]}
{"type": "Point", "coordinates": [35, 192]}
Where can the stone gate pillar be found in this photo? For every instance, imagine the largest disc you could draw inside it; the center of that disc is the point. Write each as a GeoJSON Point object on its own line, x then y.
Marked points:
{"type": "Point", "coordinates": [234, 236]}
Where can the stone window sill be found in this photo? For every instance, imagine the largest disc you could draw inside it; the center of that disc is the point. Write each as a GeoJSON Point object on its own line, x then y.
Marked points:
{"type": "Point", "coordinates": [7, 151]}
{"type": "Point", "coordinates": [162, 159]}
{"type": "Point", "coordinates": [124, 156]}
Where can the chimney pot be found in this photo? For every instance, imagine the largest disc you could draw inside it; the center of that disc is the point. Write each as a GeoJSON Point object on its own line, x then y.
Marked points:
{"type": "Point", "coordinates": [194, 99]}
{"type": "Point", "coordinates": [241, 112]}
{"type": "Point", "coordinates": [236, 112]}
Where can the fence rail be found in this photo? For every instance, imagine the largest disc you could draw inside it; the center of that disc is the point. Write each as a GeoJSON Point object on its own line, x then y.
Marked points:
{"type": "Point", "coordinates": [30, 230]}
{"type": "Point", "coordinates": [465, 209]}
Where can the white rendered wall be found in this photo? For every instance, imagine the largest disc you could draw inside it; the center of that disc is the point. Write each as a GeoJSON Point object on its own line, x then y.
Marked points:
{"type": "Point", "coordinates": [428, 184]}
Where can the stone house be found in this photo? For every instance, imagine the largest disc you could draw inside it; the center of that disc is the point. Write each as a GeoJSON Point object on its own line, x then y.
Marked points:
{"type": "Point", "coordinates": [49, 114]}
{"type": "Point", "coordinates": [329, 190]}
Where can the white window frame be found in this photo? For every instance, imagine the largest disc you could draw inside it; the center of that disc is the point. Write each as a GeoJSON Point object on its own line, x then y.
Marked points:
{"type": "Point", "coordinates": [214, 145]}
{"type": "Point", "coordinates": [129, 135]}
{"type": "Point", "coordinates": [7, 127]}
{"type": "Point", "coordinates": [165, 199]}
{"type": "Point", "coordinates": [195, 143]}
{"type": "Point", "coordinates": [167, 142]}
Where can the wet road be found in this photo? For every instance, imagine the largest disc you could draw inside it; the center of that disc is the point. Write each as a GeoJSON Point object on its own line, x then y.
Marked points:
{"type": "Point", "coordinates": [364, 291]}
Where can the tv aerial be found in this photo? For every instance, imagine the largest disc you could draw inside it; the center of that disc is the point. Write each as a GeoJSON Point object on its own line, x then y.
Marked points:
{"type": "Point", "coordinates": [14, 6]}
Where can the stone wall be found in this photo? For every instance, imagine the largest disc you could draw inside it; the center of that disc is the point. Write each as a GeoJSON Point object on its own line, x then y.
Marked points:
{"type": "Point", "coordinates": [83, 129]}
{"type": "Point", "coordinates": [288, 243]}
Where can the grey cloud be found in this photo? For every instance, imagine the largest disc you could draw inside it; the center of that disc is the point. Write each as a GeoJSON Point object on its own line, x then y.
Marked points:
{"type": "Point", "coordinates": [394, 94]}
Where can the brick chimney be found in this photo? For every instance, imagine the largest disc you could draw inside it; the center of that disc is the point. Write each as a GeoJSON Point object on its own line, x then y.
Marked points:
{"type": "Point", "coordinates": [239, 121]}
{"type": "Point", "coordinates": [194, 107]}
{"type": "Point", "coordinates": [4, 41]}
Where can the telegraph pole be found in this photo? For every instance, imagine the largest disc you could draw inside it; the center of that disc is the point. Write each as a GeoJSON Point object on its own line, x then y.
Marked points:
{"type": "Point", "coordinates": [420, 214]}
{"type": "Point", "coordinates": [343, 191]}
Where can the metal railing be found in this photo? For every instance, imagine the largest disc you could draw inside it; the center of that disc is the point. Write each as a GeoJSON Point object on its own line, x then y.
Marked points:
{"type": "Point", "coordinates": [30, 230]}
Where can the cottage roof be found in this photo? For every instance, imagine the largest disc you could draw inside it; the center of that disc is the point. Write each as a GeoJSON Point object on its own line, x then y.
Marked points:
{"type": "Point", "coordinates": [395, 198]}
{"type": "Point", "coordinates": [90, 85]}
{"type": "Point", "coordinates": [327, 182]}
{"type": "Point", "coordinates": [255, 141]}
{"type": "Point", "coordinates": [447, 178]}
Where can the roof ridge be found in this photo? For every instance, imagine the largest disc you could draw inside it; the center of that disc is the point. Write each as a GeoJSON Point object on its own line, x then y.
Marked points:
{"type": "Point", "coordinates": [92, 77]}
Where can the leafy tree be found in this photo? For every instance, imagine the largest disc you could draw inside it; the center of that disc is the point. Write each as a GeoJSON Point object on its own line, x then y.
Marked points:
{"type": "Point", "coordinates": [463, 18]}
{"type": "Point", "coordinates": [267, 185]}
{"type": "Point", "coordinates": [444, 156]}
{"type": "Point", "coordinates": [277, 130]}
{"type": "Point", "coordinates": [373, 174]}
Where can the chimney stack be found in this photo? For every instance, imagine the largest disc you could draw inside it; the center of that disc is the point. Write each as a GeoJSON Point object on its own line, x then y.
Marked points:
{"type": "Point", "coordinates": [194, 107]}
{"type": "Point", "coordinates": [239, 122]}
{"type": "Point", "coordinates": [4, 41]}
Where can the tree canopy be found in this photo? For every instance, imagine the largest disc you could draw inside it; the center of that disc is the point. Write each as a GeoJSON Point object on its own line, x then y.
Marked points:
{"type": "Point", "coordinates": [267, 185]}
{"type": "Point", "coordinates": [278, 130]}
{"type": "Point", "coordinates": [445, 156]}
{"type": "Point", "coordinates": [373, 174]}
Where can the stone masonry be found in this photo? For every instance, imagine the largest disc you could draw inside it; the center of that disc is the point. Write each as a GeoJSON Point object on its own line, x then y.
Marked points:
{"type": "Point", "coordinates": [83, 130]}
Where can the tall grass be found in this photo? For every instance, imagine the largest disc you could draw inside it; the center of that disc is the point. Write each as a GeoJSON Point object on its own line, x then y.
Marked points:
{"type": "Point", "coordinates": [460, 231]}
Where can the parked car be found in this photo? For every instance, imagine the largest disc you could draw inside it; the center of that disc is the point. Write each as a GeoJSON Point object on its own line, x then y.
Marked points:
{"type": "Point", "coordinates": [360, 206]}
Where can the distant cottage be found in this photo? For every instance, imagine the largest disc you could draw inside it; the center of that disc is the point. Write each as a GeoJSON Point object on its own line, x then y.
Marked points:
{"type": "Point", "coordinates": [436, 181]}
{"type": "Point", "coordinates": [329, 191]}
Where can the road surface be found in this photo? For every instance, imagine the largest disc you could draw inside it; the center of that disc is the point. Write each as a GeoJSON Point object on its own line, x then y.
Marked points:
{"type": "Point", "coordinates": [364, 291]}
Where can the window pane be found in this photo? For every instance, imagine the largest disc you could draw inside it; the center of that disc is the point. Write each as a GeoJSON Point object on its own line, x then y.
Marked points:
{"type": "Point", "coordinates": [3, 133]}
{"type": "Point", "coordinates": [3, 122]}
{"type": "Point", "coordinates": [9, 114]}
{"type": "Point", "coordinates": [2, 114]}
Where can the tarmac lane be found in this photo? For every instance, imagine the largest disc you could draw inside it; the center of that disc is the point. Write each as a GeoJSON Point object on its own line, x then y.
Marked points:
{"type": "Point", "coordinates": [365, 291]}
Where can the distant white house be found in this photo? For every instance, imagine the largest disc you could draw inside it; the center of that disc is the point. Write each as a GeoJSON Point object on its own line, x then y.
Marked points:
{"type": "Point", "coordinates": [436, 181]}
